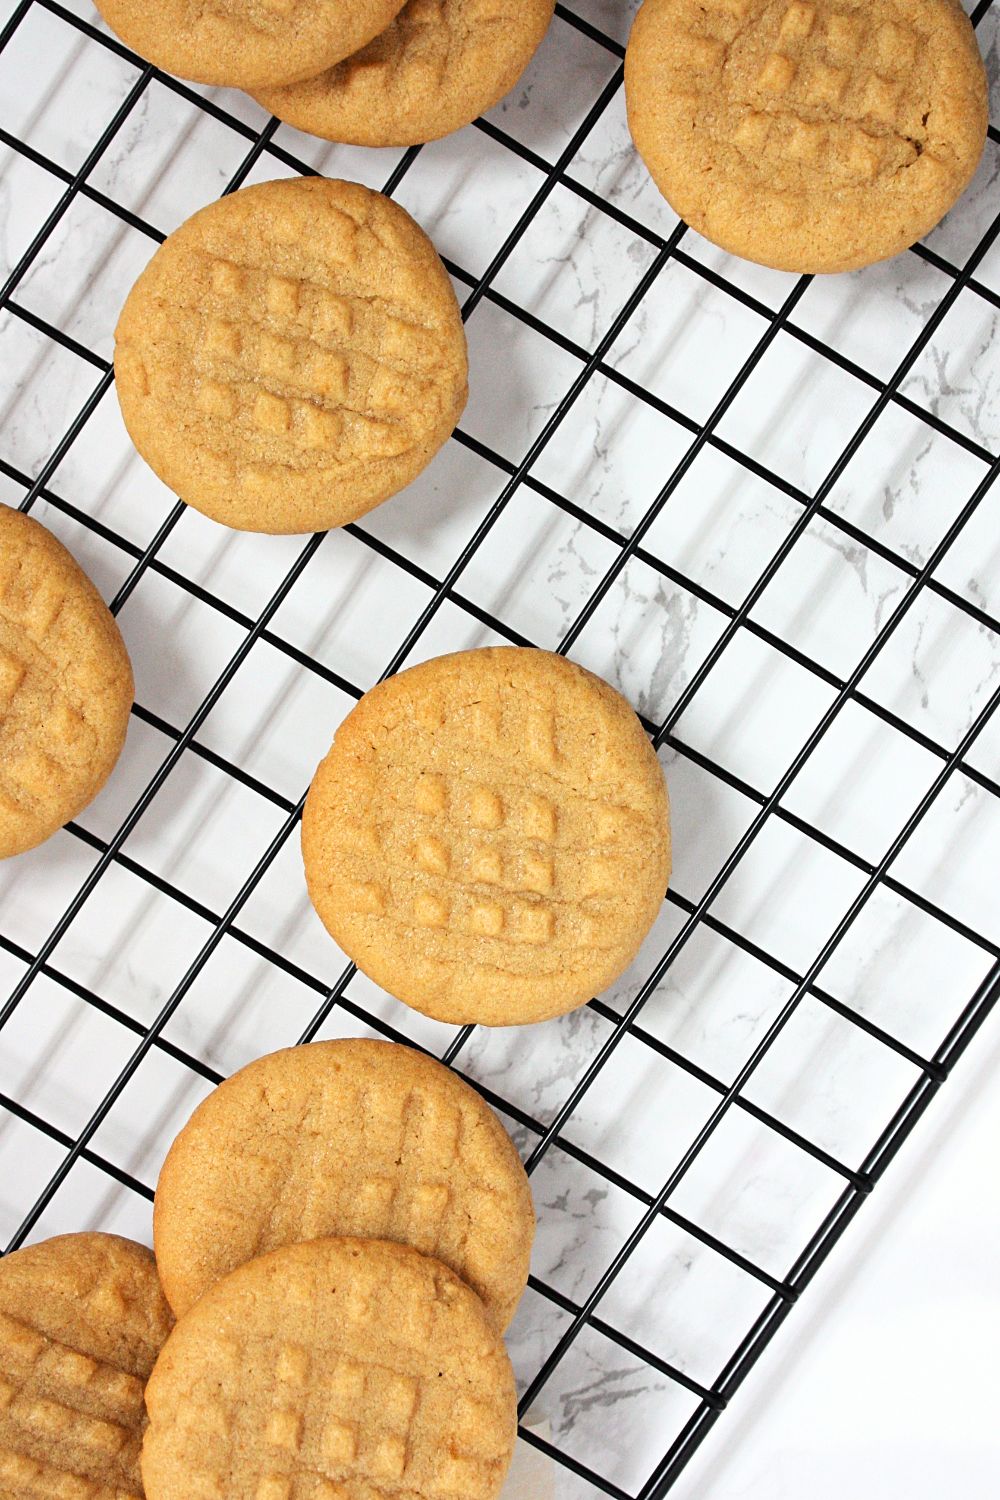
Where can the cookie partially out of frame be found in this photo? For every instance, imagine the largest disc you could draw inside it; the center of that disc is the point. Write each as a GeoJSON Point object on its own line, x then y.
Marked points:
{"type": "Point", "coordinates": [435, 68]}
{"type": "Point", "coordinates": [808, 135]}
{"type": "Point", "coordinates": [246, 43]}
{"type": "Point", "coordinates": [65, 685]}
{"type": "Point", "coordinates": [82, 1320]}
{"type": "Point", "coordinates": [339, 1369]}
{"type": "Point", "coordinates": [292, 356]}
{"type": "Point", "coordinates": [350, 1137]}
{"type": "Point", "coordinates": [488, 837]}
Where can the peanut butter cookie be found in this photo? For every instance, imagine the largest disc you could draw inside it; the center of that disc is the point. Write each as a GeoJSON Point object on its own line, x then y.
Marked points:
{"type": "Point", "coordinates": [808, 135]}
{"type": "Point", "coordinates": [82, 1320]}
{"type": "Point", "coordinates": [488, 837]}
{"type": "Point", "coordinates": [340, 1369]}
{"type": "Point", "coordinates": [345, 1138]}
{"type": "Point", "coordinates": [434, 69]}
{"type": "Point", "coordinates": [292, 356]}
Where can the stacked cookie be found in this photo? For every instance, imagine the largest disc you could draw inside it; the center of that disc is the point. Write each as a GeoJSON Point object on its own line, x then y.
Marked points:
{"type": "Point", "coordinates": [343, 1231]}
{"type": "Point", "coordinates": [371, 73]}
{"type": "Point", "coordinates": [82, 1322]}
{"type": "Point", "coordinates": [336, 1369]}
{"type": "Point", "coordinates": [359, 1138]}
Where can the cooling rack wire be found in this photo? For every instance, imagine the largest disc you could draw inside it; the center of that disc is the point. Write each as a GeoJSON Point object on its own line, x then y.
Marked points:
{"type": "Point", "coordinates": [763, 506]}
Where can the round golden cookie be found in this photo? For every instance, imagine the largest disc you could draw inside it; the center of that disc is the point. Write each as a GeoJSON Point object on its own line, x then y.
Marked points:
{"type": "Point", "coordinates": [338, 1369]}
{"type": "Point", "coordinates": [292, 356]}
{"type": "Point", "coordinates": [807, 135]}
{"type": "Point", "coordinates": [345, 1138]}
{"type": "Point", "coordinates": [435, 68]}
{"type": "Point", "coordinates": [246, 44]}
{"type": "Point", "coordinates": [488, 837]}
{"type": "Point", "coordinates": [65, 686]}
{"type": "Point", "coordinates": [82, 1320]}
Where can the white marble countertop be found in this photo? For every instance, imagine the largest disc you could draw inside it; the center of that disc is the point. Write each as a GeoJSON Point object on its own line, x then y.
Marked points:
{"type": "Point", "coordinates": [904, 1287]}
{"type": "Point", "coordinates": [884, 1386]}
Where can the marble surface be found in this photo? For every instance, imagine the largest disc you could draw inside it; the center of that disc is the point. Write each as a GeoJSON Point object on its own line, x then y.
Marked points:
{"type": "Point", "coordinates": [147, 933]}
{"type": "Point", "coordinates": [884, 1384]}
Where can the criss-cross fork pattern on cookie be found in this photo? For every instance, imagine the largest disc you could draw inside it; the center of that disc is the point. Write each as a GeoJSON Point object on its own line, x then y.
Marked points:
{"type": "Point", "coordinates": [70, 1423]}
{"type": "Point", "coordinates": [34, 772]}
{"type": "Point", "coordinates": [425, 38]}
{"type": "Point", "coordinates": [827, 93]}
{"type": "Point", "coordinates": [334, 1422]}
{"type": "Point", "coordinates": [519, 858]}
{"type": "Point", "coordinates": [294, 361]}
{"type": "Point", "coordinates": [293, 375]}
{"type": "Point", "coordinates": [305, 1453]}
{"type": "Point", "coordinates": [411, 1181]}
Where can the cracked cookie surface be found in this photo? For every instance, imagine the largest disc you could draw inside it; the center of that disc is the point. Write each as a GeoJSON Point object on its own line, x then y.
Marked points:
{"type": "Point", "coordinates": [292, 356]}
{"type": "Point", "coordinates": [340, 1369]}
{"type": "Point", "coordinates": [808, 135]}
{"type": "Point", "coordinates": [434, 69]}
{"type": "Point", "coordinates": [65, 685]}
{"type": "Point", "coordinates": [82, 1320]}
{"type": "Point", "coordinates": [488, 837]}
{"type": "Point", "coordinates": [247, 43]}
{"type": "Point", "coordinates": [350, 1137]}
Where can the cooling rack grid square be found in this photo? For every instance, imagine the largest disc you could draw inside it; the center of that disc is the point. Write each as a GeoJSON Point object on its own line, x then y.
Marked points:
{"type": "Point", "coordinates": [762, 506]}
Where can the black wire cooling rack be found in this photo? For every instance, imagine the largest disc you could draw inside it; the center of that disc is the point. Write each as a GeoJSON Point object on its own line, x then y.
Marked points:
{"type": "Point", "coordinates": [619, 1020]}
